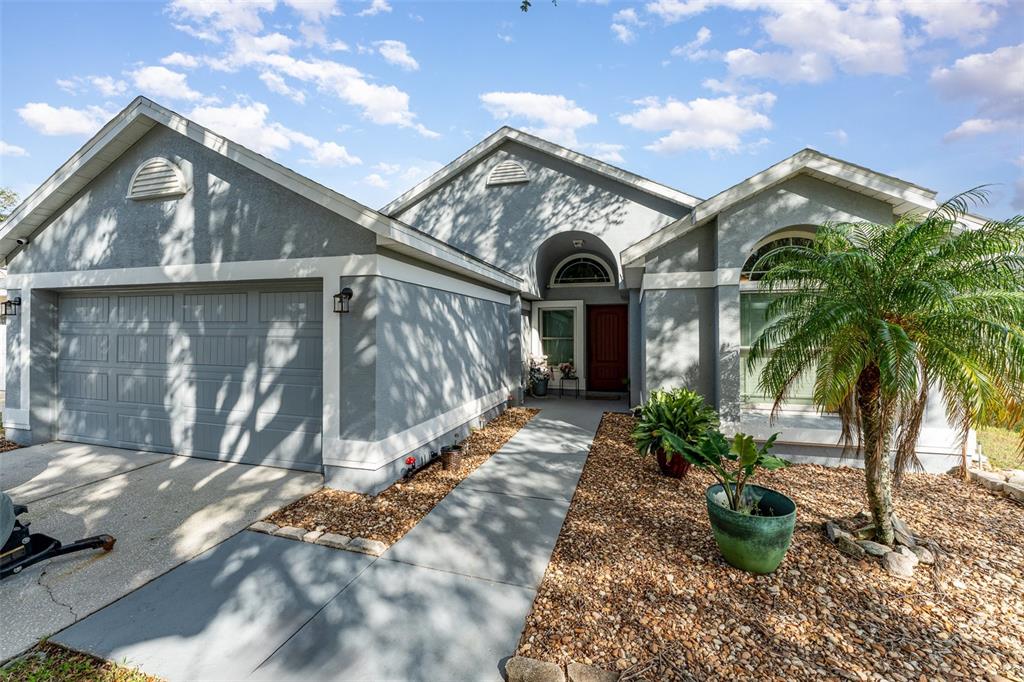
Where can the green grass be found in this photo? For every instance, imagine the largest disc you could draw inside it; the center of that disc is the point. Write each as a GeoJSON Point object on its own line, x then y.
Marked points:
{"type": "Point", "coordinates": [1001, 447]}
{"type": "Point", "coordinates": [48, 662]}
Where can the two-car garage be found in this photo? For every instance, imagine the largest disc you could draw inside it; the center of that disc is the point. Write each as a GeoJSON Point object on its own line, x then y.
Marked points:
{"type": "Point", "coordinates": [220, 372]}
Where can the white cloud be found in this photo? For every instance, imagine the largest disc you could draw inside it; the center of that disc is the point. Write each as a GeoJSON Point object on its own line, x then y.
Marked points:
{"type": "Point", "coordinates": [506, 38]}
{"type": "Point", "coordinates": [964, 20]}
{"type": "Point", "coordinates": [995, 80]}
{"type": "Point", "coordinates": [107, 86]}
{"type": "Point", "coordinates": [275, 83]}
{"type": "Point", "coordinates": [248, 125]}
{"type": "Point", "coordinates": [207, 17]}
{"type": "Point", "coordinates": [375, 180]}
{"type": "Point", "coordinates": [181, 60]}
{"type": "Point", "coordinates": [840, 135]}
{"type": "Point", "coordinates": [694, 50]}
{"type": "Point", "coordinates": [396, 52]}
{"type": "Point", "coordinates": [624, 24]}
{"type": "Point", "coordinates": [50, 120]}
{"type": "Point", "coordinates": [314, 10]}
{"type": "Point", "coordinates": [712, 124]}
{"type": "Point", "coordinates": [161, 82]}
{"type": "Point", "coordinates": [7, 149]}
{"type": "Point", "coordinates": [558, 118]}
{"type": "Point", "coordinates": [611, 153]}
{"type": "Point", "coordinates": [376, 7]}
{"type": "Point", "coordinates": [809, 41]}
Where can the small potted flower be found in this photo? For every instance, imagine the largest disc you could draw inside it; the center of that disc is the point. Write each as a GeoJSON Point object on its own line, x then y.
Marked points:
{"type": "Point", "coordinates": [540, 373]}
{"type": "Point", "coordinates": [568, 370]}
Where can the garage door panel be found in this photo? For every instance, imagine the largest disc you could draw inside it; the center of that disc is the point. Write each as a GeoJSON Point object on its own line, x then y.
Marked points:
{"type": "Point", "coordinates": [90, 348]}
{"type": "Point", "coordinates": [232, 375]}
{"type": "Point", "coordinates": [87, 385]}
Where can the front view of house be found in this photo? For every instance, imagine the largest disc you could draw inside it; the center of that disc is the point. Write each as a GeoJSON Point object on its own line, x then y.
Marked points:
{"type": "Point", "coordinates": [180, 293]}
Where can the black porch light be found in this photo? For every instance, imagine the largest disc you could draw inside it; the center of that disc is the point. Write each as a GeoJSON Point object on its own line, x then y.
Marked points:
{"type": "Point", "coordinates": [11, 307]}
{"type": "Point", "coordinates": [341, 300]}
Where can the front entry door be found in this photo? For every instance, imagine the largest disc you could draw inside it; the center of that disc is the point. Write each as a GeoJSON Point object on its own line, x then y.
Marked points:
{"type": "Point", "coordinates": [607, 347]}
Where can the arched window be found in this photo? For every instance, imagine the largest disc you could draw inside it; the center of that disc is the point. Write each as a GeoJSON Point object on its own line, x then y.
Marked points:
{"type": "Point", "coordinates": [747, 272]}
{"type": "Point", "coordinates": [581, 271]}
{"type": "Point", "coordinates": [754, 318]}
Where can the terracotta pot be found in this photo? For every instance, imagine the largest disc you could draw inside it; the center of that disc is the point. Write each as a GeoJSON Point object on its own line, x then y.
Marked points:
{"type": "Point", "coordinates": [674, 467]}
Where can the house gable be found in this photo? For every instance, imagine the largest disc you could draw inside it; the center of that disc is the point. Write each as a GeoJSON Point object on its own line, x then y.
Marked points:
{"type": "Point", "coordinates": [228, 213]}
{"type": "Point", "coordinates": [505, 224]}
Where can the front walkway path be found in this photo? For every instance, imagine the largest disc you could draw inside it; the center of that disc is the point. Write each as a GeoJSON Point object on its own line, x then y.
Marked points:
{"type": "Point", "coordinates": [446, 602]}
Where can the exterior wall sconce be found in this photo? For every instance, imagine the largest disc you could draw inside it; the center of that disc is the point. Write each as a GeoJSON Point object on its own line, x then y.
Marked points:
{"type": "Point", "coordinates": [341, 300]}
{"type": "Point", "coordinates": [10, 308]}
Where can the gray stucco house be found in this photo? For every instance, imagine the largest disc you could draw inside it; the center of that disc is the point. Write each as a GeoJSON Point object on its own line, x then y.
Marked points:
{"type": "Point", "coordinates": [179, 294]}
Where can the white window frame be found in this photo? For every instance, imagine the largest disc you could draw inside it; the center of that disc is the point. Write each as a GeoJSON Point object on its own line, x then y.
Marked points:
{"type": "Point", "coordinates": [597, 259]}
{"type": "Point", "coordinates": [578, 345]}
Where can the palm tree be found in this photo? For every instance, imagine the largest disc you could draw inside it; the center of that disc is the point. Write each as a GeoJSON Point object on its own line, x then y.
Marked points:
{"type": "Point", "coordinates": [885, 316]}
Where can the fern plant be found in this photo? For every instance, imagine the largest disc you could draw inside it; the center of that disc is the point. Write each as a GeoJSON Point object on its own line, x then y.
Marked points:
{"type": "Point", "coordinates": [679, 411]}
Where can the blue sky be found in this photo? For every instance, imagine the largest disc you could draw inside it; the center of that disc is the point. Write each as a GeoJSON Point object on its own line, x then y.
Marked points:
{"type": "Point", "coordinates": [370, 97]}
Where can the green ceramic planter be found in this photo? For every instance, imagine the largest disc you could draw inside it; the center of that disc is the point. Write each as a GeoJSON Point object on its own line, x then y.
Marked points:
{"type": "Point", "coordinates": [752, 543]}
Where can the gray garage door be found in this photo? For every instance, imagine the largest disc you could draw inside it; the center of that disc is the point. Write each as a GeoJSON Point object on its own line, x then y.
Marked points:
{"type": "Point", "coordinates": [228, 373]}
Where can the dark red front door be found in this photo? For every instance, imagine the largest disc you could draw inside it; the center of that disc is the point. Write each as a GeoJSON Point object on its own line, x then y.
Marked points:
{"type": "Point", "coordinates": [607, 347]}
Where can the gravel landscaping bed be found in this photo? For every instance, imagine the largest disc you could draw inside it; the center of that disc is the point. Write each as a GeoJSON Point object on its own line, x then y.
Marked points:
{"type": "Point", "coordinates": [391, 514]}
{"type": "Point", "coordinates": [6, 445]}
{"type": "Point", "coordinates": [636, 582]}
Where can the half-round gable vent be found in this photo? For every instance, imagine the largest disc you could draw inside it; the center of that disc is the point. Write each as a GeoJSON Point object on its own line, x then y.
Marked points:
{"type": "Point", "coordinates": [155, 178]}
{"type": "Point", "coordinates": [507, 173]}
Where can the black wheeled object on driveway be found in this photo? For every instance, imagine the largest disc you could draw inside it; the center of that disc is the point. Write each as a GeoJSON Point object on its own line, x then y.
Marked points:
{"type": "Point", "coordinates": [22, 548]}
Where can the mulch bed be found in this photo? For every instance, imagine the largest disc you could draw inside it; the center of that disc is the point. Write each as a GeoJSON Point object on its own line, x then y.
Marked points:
{"type": "Point", "coordinates": [393, 513]}
{"type": "Point", "coordinates": [6, 445]}
{"type": "Point", "coordinates": [637, 584]}
{"type": "Point", "coordinates": [48, 662]}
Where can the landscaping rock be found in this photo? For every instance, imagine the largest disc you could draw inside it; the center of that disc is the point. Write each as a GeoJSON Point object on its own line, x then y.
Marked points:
{"type": "Point", "coordinates": [578, 672]}
{"type": "Point", "coordinates": [848, 545]}
{"type": "Point", "coordinates": [334, 540]}
{"type": "Point", "coordinates": [523, 669]}
{"type": "Point", "coordinates": [290, 532]}
{"type": "Point", "coordinates": [874, 548]}
{"type": "Point", "coordinates": [833, 531]}
{"type": "Point", "coordinates": [909, 554]}
{"type": "Point", "coordinates": [904, 535]}
{"type": "Point", "coordinates": [988, 479]}
{"type": "Point", "coordinates": [264, 527]}
{"type": "Point", "coordinates": [899, 564]}
{"type": "Point", "coordinates": [1015, 476]}
{"type": "Point", "coordinates": [924, 555]}
{"type": "Point", "coordinates": [372, 547]}
{"type": "Point", "coordinates": [1014, 491]}
{"type": "Point", "coordinates": [312, 536]}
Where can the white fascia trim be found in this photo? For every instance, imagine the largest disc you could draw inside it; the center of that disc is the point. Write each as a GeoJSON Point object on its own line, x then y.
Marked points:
{"type": "Point", "coordinates": [499, 137]}
{"type": "Point", "coordinates": [705, 279]}
{"type": "Point", "coordinates": [285, 268]}
{"type": "Point", "coordinates": [900, 193]}
{"type": "Point", "coordinates": [363, 216]}
{"type": "Point", "coordinates": [406, 272]}
{"type": "Point", "coordinates": [363, 454]}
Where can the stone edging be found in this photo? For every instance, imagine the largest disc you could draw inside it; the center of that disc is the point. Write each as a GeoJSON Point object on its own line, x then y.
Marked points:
{"type": "Point", "coordinates": [318, 537]}
{"type": "Point", "coordinates": [1009, 484]}
{"type": "Point", "coordinates": [524, 669]}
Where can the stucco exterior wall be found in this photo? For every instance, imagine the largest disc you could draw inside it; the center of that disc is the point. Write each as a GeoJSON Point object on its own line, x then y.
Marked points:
{"type": "Point", "coordinates": [229, 214]}
{"type": "Point", "coordinates": [506, 224]}
{"type": "Point", "coordinates": [679, 340]}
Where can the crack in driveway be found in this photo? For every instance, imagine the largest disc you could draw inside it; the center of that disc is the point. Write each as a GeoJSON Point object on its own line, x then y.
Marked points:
{"type": "Point", "coordinates": [53, 598]}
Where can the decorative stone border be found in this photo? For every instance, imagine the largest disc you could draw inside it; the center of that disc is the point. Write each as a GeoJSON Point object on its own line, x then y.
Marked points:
{"type": "Point", "coordinates": [1010, 483]}
{"type": "Point", "coordinates": [318, 537]}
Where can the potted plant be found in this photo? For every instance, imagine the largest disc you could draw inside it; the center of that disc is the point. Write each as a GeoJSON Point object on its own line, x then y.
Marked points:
{"type": "Point", "coordinates": [540, 373]}
{"type": "Point", "coordinates": [567, 370]}
{"type": "Point", "coordinates": [679, 411]}
{"type": "Point", "coordinates": [753, 526]}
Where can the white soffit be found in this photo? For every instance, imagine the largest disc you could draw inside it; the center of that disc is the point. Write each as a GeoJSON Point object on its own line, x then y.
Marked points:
{"type": "Point", "coordinates": [142, 114]}
{"type": "Point", "coordinates": [490, 143]}
{"type": "Point", "coordinates": [903, 196]}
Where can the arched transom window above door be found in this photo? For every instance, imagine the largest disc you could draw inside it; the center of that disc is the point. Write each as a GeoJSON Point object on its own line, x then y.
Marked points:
{"type": "Point", "coordinates": [581, 271]}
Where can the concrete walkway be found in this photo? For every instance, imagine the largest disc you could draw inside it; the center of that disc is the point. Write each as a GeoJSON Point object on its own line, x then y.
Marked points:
{"type": "Point", "coordinates": [446, 602]}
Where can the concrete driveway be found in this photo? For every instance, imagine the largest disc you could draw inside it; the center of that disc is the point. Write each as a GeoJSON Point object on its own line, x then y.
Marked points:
{"type": "Point", "coordinates": [162, 509]}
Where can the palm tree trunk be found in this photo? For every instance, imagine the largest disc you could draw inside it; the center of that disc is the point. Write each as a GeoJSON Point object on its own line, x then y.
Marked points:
{"type": "Point", "coordinates": [876, 423]}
